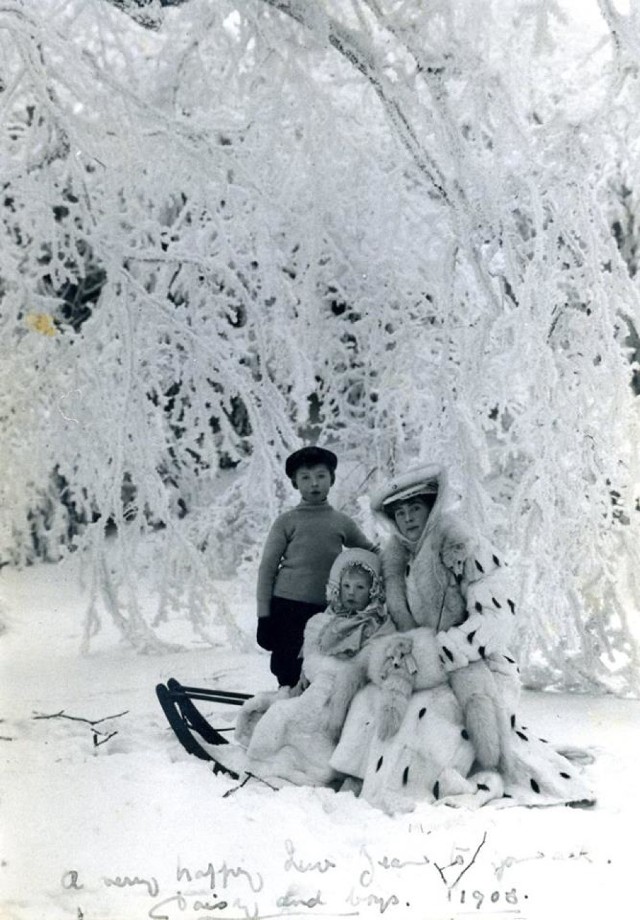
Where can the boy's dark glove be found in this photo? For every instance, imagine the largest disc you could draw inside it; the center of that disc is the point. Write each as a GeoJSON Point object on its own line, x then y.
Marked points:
{"type": "Point", "coordinates": [264, 634]}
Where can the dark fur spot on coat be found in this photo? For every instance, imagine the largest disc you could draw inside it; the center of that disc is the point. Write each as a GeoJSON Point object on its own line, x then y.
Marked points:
{"type": "Point", "coordinates": [459, 577]}
{"type": "Point", "coordinates": [520, 735]}
{"type": "Point", "coordinates": [405, 776]}
{"type": "Point", "coordinates": [544, 741]}
{"type": "Point", "coordinates": [496, 561]}
{"type": "Point", "coordinates": [421, 713]}
{"type": "Point", "coordinates": [565, 775]}
{"type": "Point", "coordinates": [507, 796]}
{"type": "Point", "coordinates": [535, 786]}
{"type": "Point", "coordinates": [465, 734]}
{"type": "Point", "coordinates": [478, 606]}
{"type": "Point", "coordinates": [513, 721]}
{"type": "Point", "coordinates": [436, 789]}
{"type": "Point", "coordinates": [407, 571]}
{"type": "Point", "coordinates": [509, 659]}
{"type": "Point", "coordinates": [496, 603]}
{"type": "Point", "coordinates": [481, 651]}
{"type": "Point", "coordinates": [482, 786]}
{"type": "Point", "coordinates": [512, 606]}
{"type": "Point", "coordinates": [448, 653]}
{"type": "Point", "coordinates": [479, 567]}
{"type": "Point", "coordinates": [379, 764]}
{"type": "Point", "coordinates": [471, 635]}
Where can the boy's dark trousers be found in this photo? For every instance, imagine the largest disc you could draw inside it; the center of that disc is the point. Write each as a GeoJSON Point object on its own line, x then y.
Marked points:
{"type": "Point", "coordinates": [287, 622]}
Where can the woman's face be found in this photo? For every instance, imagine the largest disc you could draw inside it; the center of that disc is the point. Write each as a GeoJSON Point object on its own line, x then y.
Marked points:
{"type": "Point", "coordinates": [411, 517]}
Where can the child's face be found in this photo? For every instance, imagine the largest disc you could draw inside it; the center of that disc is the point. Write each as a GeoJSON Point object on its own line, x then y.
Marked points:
{"type": "Point", "coordinates": [411, 517]}
{"type": "Point", "coordinates": [355, 588]}
{"type": "Point", "coordinates": [313, 482]}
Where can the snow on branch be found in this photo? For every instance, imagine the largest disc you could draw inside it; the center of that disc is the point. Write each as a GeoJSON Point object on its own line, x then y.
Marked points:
{"type": "Point", "coordinates": [99, 737]}
{"type": "Point", "coordinates": [405, 230]}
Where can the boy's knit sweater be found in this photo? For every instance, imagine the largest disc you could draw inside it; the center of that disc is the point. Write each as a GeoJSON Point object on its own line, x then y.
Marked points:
{"type": "Point", "coordinates": [300, 550]}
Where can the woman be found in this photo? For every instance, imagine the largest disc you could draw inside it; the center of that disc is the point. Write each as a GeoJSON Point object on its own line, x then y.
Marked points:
{"type": "Point", "coordinates": [458, 736]}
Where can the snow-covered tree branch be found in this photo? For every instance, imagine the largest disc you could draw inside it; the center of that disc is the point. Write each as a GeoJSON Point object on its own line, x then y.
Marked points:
{"type": "Point", "coordinates": [228, 227]}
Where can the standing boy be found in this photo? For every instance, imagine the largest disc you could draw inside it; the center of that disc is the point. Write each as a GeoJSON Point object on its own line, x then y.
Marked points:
{"type": "Point", "coordinates": [297, 558]}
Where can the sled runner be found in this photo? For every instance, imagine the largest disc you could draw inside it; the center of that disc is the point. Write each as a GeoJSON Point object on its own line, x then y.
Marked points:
{"type": "Point", "coordinates": [185, 719]}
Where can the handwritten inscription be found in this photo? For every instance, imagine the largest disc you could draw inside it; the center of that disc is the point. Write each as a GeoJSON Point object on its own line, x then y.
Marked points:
{"type": "Point", "coordinates": [300, 866]}
{"type": "Point", "coordinates": [221, 876]}
{"type": "Point", "coordinates": [150, 884]}
{"type": "Point", "coordinates": [287, 900]}
{"type": "Point", "coordinates": [166, 908]}
{"type": "Point", "coordinates": [479, 897]}
{"type": "Point", "coordinates": [464, 880]}
{"type": "Point", "coordinates": [70, 880]}
{"type": "Point", "coordinates": [380, 902]}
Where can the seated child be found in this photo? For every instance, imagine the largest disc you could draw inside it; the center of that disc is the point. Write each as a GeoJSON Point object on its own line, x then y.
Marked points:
{"type": "Point", "coordinates": [295, 738]}
{"type": "Point", "coordinates": [297, 557]}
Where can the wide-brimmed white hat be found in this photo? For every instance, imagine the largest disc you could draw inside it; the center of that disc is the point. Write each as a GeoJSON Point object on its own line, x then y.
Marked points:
{"type": "Point", "coordinates": [422, 480]}
{"type": "Point", "coordinates": [427, 488]}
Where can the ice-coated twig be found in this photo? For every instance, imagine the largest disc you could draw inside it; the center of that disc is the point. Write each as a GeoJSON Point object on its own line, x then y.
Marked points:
{"type": "Point", "coordinates": [63, 715]}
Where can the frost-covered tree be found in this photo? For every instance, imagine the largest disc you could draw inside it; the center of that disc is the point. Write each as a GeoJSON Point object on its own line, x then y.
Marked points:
{"type": "Point", "coordinates": [228, 227]}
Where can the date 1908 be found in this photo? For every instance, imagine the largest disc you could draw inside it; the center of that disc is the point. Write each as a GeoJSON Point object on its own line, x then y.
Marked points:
{"type": "Point", "coordinates": [479, 898]}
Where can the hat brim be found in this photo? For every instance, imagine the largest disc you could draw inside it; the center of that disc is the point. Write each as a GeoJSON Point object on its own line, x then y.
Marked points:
{"type": "Point", "coordinates": [426, 488]}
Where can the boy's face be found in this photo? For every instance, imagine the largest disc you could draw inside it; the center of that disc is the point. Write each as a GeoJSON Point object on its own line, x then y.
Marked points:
{"type": "Point", "coordinates": [313, 483]}
{"type": "Point", "coordinates": [411, 517]}
{"type": "Point", "coordinates": [355, 588]}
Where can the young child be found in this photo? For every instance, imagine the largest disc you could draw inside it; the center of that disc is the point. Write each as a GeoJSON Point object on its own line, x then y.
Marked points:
{"type": "Point", "coordinates": [295, 738]}
{"type": "Point", "coordinates": [297, 558]}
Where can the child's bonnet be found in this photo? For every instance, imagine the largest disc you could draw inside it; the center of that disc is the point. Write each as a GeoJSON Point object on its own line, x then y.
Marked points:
{"type": "Point", "coordinates": [347, 631]}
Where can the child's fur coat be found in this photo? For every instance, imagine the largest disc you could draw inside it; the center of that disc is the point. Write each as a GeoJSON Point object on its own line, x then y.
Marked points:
{"type": "Point", "coordinates": [293, 740]}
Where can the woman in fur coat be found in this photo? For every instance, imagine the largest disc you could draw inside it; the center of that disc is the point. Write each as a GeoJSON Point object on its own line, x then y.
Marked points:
{"type": "Point", "coordinates": [454, 731]}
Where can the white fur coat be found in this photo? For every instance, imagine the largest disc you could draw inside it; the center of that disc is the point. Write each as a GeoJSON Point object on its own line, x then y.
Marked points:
{"type": "Point", "coordinates": [295, 737]}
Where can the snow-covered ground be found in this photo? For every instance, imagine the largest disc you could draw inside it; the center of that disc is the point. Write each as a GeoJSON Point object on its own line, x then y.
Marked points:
{"type": "Point", "coordinates": [133, 827]}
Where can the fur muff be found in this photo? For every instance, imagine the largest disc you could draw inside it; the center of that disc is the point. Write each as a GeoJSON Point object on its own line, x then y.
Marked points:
{"type": "Point", "coordinates": [393, 667]}
{"type": "Point", "coordinates": [398, 665]}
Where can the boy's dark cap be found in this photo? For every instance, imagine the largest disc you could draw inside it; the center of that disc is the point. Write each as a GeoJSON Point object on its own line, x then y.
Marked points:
{"type": "Point", "coordinates": [310, 456]}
